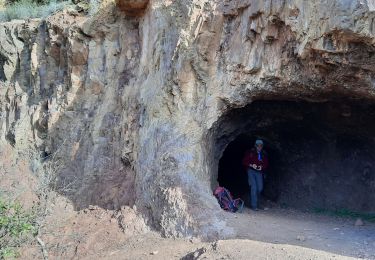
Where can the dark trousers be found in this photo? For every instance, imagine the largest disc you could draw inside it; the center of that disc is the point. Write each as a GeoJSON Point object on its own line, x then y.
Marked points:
{"type": "Point", "coordinates": [255, 180]}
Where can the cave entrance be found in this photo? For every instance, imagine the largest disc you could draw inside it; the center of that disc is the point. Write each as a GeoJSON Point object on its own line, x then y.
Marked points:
{"type": "Point", "coordinates": [322, 155]}
{"type": "Point", "coordinates": [233, 176]}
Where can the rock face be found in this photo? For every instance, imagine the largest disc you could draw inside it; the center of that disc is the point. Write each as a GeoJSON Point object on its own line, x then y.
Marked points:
{"type": "Point", "coordinates": [139, 110]}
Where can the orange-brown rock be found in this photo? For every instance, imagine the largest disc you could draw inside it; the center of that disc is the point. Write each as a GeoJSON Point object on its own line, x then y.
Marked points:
{"type": "Point", "coordinates": [132, 7]}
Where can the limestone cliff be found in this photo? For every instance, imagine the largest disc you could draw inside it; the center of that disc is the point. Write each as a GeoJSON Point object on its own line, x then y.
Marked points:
{"type": "Point", "coordinates": [132, 104]}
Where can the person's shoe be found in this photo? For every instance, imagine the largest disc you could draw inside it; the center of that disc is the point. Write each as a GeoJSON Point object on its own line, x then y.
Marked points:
{"type": "Point", "coordinates": [255, 209]}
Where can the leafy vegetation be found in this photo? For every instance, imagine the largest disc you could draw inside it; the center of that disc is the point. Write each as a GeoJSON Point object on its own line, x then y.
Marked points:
{"type": "Point", "coordinates": [17, 226]}
{"type": "Point", "coordinates": [24, 9]}
{"type": "Point", "coordinates": [345, 213]}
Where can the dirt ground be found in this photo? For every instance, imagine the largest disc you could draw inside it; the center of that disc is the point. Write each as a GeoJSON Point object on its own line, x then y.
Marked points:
{"type": "Point", "coordinates": [151, 246]}
{"type": "Point", "coordinates": [268, 234]}
{"type": "Point", "coordinates": [306, 230]}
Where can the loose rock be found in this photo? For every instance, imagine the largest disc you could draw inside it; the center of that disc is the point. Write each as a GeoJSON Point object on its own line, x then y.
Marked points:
{"type": "Point", "coordinates": [358, 222]}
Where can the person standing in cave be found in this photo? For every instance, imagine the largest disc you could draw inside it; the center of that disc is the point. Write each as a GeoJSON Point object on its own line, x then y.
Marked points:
{"type": "Point", "coordinates": [255, 162]}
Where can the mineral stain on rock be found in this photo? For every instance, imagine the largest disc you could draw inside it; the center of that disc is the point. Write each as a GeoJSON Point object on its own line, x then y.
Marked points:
{"type": "Point", "coordinates": [132, 7]}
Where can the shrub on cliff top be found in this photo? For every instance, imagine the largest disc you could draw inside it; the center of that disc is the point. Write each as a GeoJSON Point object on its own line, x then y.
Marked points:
{"type": "Point", "coordinates": [25, 9]}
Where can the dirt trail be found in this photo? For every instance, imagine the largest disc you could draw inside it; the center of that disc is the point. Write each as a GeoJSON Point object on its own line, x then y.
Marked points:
{"type": "Point", "coordinates": [330, 234]}
{"type": "Point", "coordinates": [151, 246]}
{"type": "Point", "coordinates": [271, 234]}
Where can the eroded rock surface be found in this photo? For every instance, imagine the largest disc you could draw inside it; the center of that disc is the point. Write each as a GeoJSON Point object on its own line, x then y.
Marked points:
{"type": "Point", "coordinates": [129, 109]}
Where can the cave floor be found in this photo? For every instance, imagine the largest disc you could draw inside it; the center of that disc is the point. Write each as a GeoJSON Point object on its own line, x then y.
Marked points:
{"type": "Point", "coordinates": [309, 230]}
{"type": "Point", "coordinates": [274, 233]}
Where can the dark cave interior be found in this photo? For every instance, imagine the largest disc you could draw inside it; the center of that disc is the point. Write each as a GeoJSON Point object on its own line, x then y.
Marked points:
{"type": "Point", "coordinates": [322, 154]}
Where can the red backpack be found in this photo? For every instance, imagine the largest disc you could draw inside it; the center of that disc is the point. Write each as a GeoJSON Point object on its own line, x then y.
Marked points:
{"type": "Point", "coordinates": [226, 201]}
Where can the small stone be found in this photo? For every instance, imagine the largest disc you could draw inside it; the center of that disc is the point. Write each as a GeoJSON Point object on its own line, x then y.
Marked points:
{"type": "Point", "coordinates": [358, 222]}
{"type": "Point", "coordinates": [154, 252]}
{"type": "Point", "coordinates": [82, 7]}
{"type": "Point", "coordinates": [194, 240]}
{"type": "Point", "coordinates": [114, 252]}
{"type": "Point", "coordinates": [301, 238]}
{"type": "Point", "coordinates": [92, 207]}
{"type": "Point", "coordinates": [72, 11]}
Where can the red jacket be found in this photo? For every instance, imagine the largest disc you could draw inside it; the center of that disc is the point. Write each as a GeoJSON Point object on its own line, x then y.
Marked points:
{"type": "Point", "coordinates": [251, 157]}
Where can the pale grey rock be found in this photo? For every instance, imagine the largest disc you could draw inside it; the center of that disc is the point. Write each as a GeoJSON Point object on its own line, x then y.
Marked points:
{"type": "Point", "coordinates": [132, 108]}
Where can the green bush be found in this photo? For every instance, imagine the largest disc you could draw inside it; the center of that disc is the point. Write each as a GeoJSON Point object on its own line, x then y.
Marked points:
{"type": "Point", "coordinates": [17, 226]}
{"type": "Point", "coordinates": [346, 213]}
{"type": "Point", "coordinates": [39, 2]}
{"type": "Point", "coordinates": [25, 9]}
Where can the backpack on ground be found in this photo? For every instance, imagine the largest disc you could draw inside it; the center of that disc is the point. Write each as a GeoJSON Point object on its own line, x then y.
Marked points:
{"type": "Point", "coordinates": [226, 201]}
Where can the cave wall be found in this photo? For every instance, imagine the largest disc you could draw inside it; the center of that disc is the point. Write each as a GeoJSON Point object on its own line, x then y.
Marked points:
{"type": "Point", "coordinates": [131, 106]}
